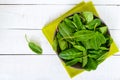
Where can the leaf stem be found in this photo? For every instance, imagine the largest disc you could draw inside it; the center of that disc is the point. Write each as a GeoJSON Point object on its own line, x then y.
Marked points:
{"type": "Point", "coordinates": [27, 38]}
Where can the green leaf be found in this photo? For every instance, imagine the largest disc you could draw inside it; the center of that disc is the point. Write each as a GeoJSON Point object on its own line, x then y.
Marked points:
{"type": "Point", "coordinates": [65, 30]}
{"type": "Point", "coordinates": [84, 59]}
{"type": "Point", "coordinates": [79, 47]}
{"type": "Point", "coordinates": [97, 41]}
{"type": "Point", "coordinates": [74, 61]}
{"type": "Point", "coordinates": [91, 65]}
{"type": "Point", "coordinates": [96, 54]}
{"type": "Point", "coordinates": [77, 20]}
{"type": "Point", "coordinates": [70, 54]}
{"type": "Point", "coordinates": [83, 35]}
{"type": "Point", "coordinates": [94, 23]}
{"type": "Point", "coordinates": [70, 23]}
{"type": "Point", "coordinates": [102, 57]}
{"type": "Point", "coordinates": [55, 44]}
{"type": "Point", "coordinates": [62, 43]}
{"type": "Point", "coordinates": [103, 30]}
{"type": "Point", "coordinates": [88, 16]}
{"type": "Point", "coordinates": [35, 48]}
{"type": "Point", "coordinates": [103, 48]}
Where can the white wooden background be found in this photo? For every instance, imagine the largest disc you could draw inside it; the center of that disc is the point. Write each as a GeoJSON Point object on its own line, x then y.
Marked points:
{"type": "Point", "coordinates": [20, 17]}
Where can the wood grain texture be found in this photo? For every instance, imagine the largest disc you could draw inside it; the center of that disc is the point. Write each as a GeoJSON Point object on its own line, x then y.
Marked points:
{"type": "Point", "coordinates": [57, 1]}
{"type": "Point", "coordinates": [20, 17]}
{"type": "Point", "coordinates": [31, 68]}
{"type": "Point", "coordinates": [50, 68]}
{"type": "Point", "coordinates": [36, 16]}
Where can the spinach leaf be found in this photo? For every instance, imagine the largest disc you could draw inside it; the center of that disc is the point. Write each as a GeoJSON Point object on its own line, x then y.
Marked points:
{"type": "Point", "coordinates": [62, 43]}
{"type": "Point", "coordinates": [65, 30]}
{"type": "Point", "coordinates": [97, 40]}
{"type": "Point", "coordinates": [35, 48]}
{"type": "Point", "coordinates": [79, 47]}
{"type": "Point", "coordinates": [70, 54]}
{"type": "Point", "coordinates": [103, 30]}
{"type": "Point", "coordinates": [84, 59]}
{"type": "Point", "coordinates": [93, 24]}
{"type": "Point", "coordinates": [77, 20]}
{"type": "Point", "coordinates": [55, 44]}
{"type": "Point", "coordinates": [103, 48]}
{"type": "Point", "coordinates": [88, 16]}
{"type": "Point", "coordinates": [91, 65]}
{"type": "Point", "coordinates": [102, 57]}
{"type": "Point", "coordinates": [70, 24]}
{"type": "Point", "coordinates": [83, 35]}
{"type": "Point", "coordinates": [74, 61]}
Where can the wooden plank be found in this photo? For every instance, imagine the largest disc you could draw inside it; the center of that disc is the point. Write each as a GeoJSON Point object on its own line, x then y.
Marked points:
{"type": "Point", "coordinates": [13, 41]}
{"type": "Point", "coordinates": [31, 68]}
{"type": "Point", "coordinates": [36, 16]}
{"type": "Point", "coordinates": [50, 68]}
{"type": "Point", "coordinates": [108, 70]}
{"type": "Point", "coordinates": [57, 1]}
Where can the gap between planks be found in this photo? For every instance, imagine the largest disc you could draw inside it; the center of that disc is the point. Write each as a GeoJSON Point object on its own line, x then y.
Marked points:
{"type": "Point", "coordinates": [31, 29]}
{"type": "Point", "coordinates": [65, 4]}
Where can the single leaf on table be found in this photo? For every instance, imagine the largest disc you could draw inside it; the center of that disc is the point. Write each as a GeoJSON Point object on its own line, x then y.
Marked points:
{"type": "Point", "coordinates": [93, 24]}
{"type": "Point", "coordinates": [83, 35]}
{"type": "Point", "coordinates": [77, 20]}
{"type": "Point", "coordinates": [35, 47]}
{"type": "Point", "coordinates": [70, 54]}
{"type": "Point", "coordinates": [91, 65]}
{"type": "Point", "coordinates": [88, 16]}
{"type": "Point", "coordinates": [103, 30]}
{"type": "Point", "coordinates": [74, 61]}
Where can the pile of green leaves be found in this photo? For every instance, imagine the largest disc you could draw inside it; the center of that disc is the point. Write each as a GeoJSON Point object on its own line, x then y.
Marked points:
{"type": "Point", "coordinates": [82, 39]}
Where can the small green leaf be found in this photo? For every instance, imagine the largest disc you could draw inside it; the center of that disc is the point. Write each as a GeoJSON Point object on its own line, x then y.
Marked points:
{"type": "Point", "coordinates": [79, 47]}
{"type": "Point", "coordinates": [84, 59]}
{"type": "Point", "coordinates": [70, 54]}
{"type": "Point", "coordinates": [35, 47]}
{"type": "Point", "coordinates": [102, 57]}
{"type": "Point", "coordinates": [74, 61]}
{"type": "Point", "coordinates": [88, 16]}
{"type": "Point", "coordinates": [70, 24]}
{"type": "Point", "coordinates": [62, 43]}
{"type": "Point", "coordinates": [91, 65]}
{"type": "Point", "coordinates": [77, 20]}
{"type": "Point", "coordinates": [104, 48]}
{"type": "Point", "coordinates": [65, 30]}
{"type": "Point", "coordinates": [97, 41]}
{"type": "Point", "coordinates": [83, 35]}
{"type": "Point", "coordinates": [94, 23]}
{"type": "Point", "coordinates": [103, 30]}
{"type": "Point", "coordinates": [55, 44]}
